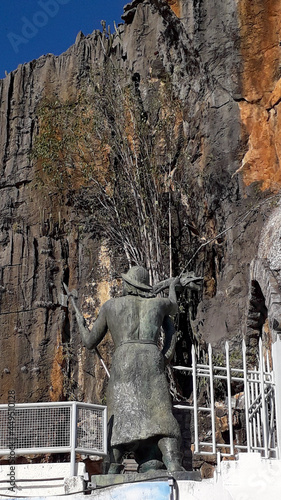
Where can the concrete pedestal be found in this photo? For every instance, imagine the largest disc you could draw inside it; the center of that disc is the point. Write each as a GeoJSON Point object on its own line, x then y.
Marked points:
{"type": "Point", "coordinates": [102, 481]}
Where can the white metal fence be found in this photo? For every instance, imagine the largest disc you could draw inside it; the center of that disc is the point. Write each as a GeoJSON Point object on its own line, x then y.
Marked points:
{"type": "Point", "coordinates": [64, 427]}
{"type": "Point", "coordinates": [257, 405]}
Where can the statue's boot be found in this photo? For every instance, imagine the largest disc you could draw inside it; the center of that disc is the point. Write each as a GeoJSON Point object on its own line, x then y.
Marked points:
{"type": "Point", "coordinates": [115, 468]}
{"type": "Point", "coordinates": [148, 455]}
{"type": "Point", "coordinates": [171, 454]}
{"type": "Point", "coordinates": [150, 465]}
{"type": "Point", "coordinates": [116, 456]}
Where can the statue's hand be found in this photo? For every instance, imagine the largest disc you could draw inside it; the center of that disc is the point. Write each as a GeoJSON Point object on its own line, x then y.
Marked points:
{"type": "Point", "coordinates": [191, 281]}
{"type": "Point", "coordinates": [73, 294]}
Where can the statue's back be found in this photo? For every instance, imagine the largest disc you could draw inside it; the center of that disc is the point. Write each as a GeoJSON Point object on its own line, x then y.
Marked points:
{"type": "Point", "coordinates": [135, 318]}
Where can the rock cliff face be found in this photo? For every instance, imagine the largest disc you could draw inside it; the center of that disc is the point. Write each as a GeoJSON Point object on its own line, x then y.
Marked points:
{"type": "Point", "coordinates": [218, 61]}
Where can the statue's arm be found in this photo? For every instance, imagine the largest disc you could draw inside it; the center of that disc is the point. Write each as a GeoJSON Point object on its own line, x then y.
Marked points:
{"type": "Point", "coordinates": [170, 338]}
{"type": "Point", "coordinates": [187, 280]}
{"type": "Point", "coordinates": [173, 296]}
{"type": "Point", "coordinates": [169, 305]}
{"type": "Point", "coordinates": [162, 285]}
{"type": "Point", "coordinates": [91, 338]}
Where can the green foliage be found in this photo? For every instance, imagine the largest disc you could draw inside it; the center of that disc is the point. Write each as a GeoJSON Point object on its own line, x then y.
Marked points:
{"type": "Point", "coordinates": [236, 358]}
{"type": "Point", "coordinates": [61, 151]}
{"type": "Point", "coordinates": [51, 147]}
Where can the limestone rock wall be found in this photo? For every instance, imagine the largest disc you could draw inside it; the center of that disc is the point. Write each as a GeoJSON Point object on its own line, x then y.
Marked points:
{"type": "Point", "coordinates": [226, 75]}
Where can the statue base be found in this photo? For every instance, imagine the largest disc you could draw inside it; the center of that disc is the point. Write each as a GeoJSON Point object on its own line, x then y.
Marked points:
{"type": "Point", "coordinates": [103, 480]}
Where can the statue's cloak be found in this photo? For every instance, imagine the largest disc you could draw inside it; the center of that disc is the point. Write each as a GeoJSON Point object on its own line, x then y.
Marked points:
{"type": "Point", "coordinates": [138, 399]}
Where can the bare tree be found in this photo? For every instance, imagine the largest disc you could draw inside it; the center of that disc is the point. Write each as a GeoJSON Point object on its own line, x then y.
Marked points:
{"type": "Point", "coordinates": [125, 148]}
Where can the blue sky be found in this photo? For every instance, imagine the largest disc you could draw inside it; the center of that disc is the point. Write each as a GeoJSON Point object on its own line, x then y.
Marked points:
{"type": "Point", "coordinates": [31, 28]}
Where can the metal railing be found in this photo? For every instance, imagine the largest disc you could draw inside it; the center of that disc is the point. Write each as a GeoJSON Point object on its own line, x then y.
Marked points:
{"type": "Point", "coordinates": [64, 427]}
{"type": "Point", "coordinates": [259, 409]}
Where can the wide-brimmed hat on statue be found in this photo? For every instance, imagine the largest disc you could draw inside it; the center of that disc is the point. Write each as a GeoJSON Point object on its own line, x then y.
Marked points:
{"type": "Point", "coordinates": [138, 277]}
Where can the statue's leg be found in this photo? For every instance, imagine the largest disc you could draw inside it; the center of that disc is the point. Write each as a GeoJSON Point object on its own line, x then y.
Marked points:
{"type": "Point", "coordinates": [148, 455]}
{"type": "Point", "coordinates": [171, 455]}
{"type": "Point", "coordinates": [116, 456]}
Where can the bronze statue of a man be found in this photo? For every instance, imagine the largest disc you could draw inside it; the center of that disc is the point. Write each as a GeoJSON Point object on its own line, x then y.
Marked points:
{"type": "Point", "coordinates": [138, 399]}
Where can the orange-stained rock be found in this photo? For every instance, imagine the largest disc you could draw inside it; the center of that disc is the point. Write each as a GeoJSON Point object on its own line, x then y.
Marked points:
{"type": "Point", "coordinates": [56, 390]}
{"type": "Point", "coordinates": [175, 6]}
{"type": "Point", "coordinates": [260, 25]}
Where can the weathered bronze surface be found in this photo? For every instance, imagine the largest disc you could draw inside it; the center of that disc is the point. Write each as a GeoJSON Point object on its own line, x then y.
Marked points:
{"type": "Point", "coordinates": [139, 405]}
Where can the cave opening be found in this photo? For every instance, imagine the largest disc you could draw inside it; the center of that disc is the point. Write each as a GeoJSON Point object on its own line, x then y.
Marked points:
{"type": "Point", "coordinates": [256, 319]}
